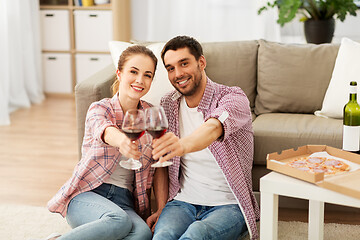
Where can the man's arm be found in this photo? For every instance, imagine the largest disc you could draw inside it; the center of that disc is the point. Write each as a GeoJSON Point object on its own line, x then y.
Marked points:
{"type": "Point", "coordinates": [201, 138]}
{"type": "Point", "coordinates": [161, 190]}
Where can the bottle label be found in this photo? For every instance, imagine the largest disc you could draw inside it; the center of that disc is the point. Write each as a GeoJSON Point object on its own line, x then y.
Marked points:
{"type": "Point", "coordinates": [351, 138]}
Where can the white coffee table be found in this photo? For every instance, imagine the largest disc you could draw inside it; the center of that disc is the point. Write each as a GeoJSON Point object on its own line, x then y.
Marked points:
{"type": "Point", "coordinates": [274, 184]}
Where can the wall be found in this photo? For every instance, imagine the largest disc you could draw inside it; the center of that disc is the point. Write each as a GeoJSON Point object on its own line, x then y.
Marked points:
{"type": "Point", "coordinates": [291, 32]}
{"type": "Point", "coordinates": [139, 19]}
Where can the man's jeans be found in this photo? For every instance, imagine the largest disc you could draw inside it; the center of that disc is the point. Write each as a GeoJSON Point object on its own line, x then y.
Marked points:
{"type": "Point", "coordinates": [105, 213]}
{"type": "Point", "coordinates": [181, 220]}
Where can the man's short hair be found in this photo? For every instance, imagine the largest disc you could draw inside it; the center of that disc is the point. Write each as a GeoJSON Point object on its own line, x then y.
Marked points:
{"type": "Point", "coordinates": [183, 42]}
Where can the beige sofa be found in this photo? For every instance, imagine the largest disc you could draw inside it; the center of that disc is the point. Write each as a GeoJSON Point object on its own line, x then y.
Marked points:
{"type": "Point", "coordinates": [285, 84]}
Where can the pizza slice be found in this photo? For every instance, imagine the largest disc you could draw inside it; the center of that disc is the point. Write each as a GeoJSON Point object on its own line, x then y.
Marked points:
{"type": "Point", "coordinates": [319, 164]}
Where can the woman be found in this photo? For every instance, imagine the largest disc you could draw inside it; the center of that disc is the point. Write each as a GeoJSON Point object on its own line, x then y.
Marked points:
{"type": "Point", "coordinates": [102, 200]}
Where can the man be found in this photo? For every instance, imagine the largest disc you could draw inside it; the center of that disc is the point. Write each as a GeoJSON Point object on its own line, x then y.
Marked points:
{"type": "Point", "coordinates": [210, 141]}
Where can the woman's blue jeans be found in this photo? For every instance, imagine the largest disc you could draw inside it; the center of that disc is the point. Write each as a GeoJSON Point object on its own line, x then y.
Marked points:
{"type": "Point", "coordinates": [106, 212]}
{"type": "Point", "coordinates": [181, 220]}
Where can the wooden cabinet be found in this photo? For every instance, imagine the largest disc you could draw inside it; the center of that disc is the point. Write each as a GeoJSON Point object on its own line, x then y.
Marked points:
{"type": "Point", "coordinates": [70, 32]}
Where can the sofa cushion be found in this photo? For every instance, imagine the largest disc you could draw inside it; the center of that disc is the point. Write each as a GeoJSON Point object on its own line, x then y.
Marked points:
{"type": "Point", "coordinates": [293, 78]}
{"type": "Point", "coordinates": [233, 64]}
{"type": "Point", "coordinates": [274, 132]}
{"type": "Point", "coordinates": [345, 70]}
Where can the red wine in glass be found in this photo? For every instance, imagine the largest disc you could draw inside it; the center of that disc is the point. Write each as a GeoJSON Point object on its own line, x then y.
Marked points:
{"type": "Point", "coordinates": [156, 126]}
{"type": "Point", "coordinates": [156, 132]}
{"type": "Point", "coordinates": [133, 134]}
{"type": "Point", "coordinates": [134, 127]}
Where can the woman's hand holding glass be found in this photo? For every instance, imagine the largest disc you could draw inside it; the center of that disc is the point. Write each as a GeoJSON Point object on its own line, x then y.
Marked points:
{"type": "Point", "coordinates": [133, 127]}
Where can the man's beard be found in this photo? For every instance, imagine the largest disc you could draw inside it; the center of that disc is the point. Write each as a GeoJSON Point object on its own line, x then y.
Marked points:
{"type": "Point", "coordinates": [197, 80]}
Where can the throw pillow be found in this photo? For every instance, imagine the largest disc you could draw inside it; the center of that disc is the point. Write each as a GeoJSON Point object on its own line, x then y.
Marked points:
{"type": "Point", "coordinates": [116, 48]}
{"type": "Point", "coordinates": [161, 84]}
{"type": "Point", "coordinates": [292, 78]}
{"type": "Point", "coordinates": [233, 64]}
{"type": "Point", "coordinates": [345, 71]}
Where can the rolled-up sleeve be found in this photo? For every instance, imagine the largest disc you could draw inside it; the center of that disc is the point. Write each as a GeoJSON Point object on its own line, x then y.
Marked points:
{"type": "Point", "coordinates": [98, 118]}
{"type": "Point", "coordinates": [233, 111]}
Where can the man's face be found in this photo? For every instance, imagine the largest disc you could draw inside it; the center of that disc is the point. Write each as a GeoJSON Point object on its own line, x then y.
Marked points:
{"type": "Point", "coordinates": [184, 72]}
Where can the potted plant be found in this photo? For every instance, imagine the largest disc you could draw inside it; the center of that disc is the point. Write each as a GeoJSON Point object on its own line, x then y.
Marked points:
{"type": "Point", "coordinates": [318, 15]}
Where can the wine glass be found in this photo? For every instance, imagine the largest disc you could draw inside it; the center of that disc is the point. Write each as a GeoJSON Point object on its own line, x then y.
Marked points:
{"type": "Point", "coordinates": [134, 127]}
{"type": "Point", "coordinates": [156, 126]}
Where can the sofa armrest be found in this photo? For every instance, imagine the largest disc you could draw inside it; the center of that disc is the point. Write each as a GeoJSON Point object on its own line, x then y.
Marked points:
{"type": "Point", "coordinates": [94, 88]}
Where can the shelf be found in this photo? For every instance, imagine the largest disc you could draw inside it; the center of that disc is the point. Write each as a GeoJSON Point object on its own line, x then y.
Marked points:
{"type": "Point", "coordinates": [95, 7]}
{"type": "Point", "coordinates": [55, 51]}
{"type": "Point", "coordinates": [54, 7]}
{"type": "Point", "coordinates": [118, 24]}
{"type": "Point", "coordinates": [67, 7]}
{"type": "Point", "coordinates": [94, 52]}
{"type": "Point", "coordinates": [74, 51]}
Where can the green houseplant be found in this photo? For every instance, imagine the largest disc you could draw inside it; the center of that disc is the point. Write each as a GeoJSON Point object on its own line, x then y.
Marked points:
{"type": "Point", "coordinates": [318, 15]}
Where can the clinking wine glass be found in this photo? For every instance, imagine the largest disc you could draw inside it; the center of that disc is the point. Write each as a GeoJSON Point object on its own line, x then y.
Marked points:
{"type": "Point", "coordinates": [156, 126]}
{"type": "Point", "coordinates": [134, 127]}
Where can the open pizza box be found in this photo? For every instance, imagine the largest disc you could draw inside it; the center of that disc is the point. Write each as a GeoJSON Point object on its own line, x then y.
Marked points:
{"type": "Point", "coordinates": [347, 183]}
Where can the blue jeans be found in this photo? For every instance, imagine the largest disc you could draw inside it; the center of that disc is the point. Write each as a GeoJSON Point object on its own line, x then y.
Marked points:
{"type": "Point", "coordinates": [106, 212]}
{"type": "Point", "coordinates": [181, 220]}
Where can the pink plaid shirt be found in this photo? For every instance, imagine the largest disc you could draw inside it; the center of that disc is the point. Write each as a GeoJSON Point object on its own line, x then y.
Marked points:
{"type": "Point", "coordinates": [99, 159]}
{"type": "Point", "coordinates": [233, 152]}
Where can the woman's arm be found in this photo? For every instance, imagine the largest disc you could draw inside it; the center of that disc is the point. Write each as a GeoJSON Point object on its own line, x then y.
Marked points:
{"type": "Point", "coordinates": [114, 137]}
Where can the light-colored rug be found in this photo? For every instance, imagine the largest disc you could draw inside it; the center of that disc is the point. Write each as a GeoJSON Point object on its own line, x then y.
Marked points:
{"type": "Point", "coordinates": [25, 222]}
{"type": "Point", "coordinates": [19, 222]}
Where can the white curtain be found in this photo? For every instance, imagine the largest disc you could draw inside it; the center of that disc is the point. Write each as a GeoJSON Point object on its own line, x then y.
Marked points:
{"type": "Point", "coordinates": [20, 56]}
{"type": "Point", "coordinates": [206, 20]}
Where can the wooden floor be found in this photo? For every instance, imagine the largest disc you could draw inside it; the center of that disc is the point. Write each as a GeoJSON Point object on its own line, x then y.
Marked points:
{"type": "Point", "coordinates": [38, 152]}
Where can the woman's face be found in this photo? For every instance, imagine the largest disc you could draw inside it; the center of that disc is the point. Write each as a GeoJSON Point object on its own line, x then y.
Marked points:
{"type": "Point", "coordinates": [136, 76]}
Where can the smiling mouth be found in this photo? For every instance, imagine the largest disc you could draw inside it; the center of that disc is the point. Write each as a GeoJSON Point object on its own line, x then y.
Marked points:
{"type": "Point", "coordinates": [183, 82]}
{"type": "Point", "coordinates": [138, 89]}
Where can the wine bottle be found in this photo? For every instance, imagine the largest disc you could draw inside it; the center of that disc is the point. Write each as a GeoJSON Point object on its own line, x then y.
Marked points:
{"type": "Point", "coordinates": [351, 121]}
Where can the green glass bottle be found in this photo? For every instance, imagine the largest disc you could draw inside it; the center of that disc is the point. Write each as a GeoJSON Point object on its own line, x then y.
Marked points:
{"type": "Point", "coordinates": [351, 121]}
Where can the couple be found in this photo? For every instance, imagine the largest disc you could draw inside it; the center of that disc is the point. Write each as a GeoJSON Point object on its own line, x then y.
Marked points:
{"type": "Point", "coordinates": [205, 194]}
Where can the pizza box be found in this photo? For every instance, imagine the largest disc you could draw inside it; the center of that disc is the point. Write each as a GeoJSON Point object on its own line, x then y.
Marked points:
{"type": "Point", "coordinates": [346, 183]}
